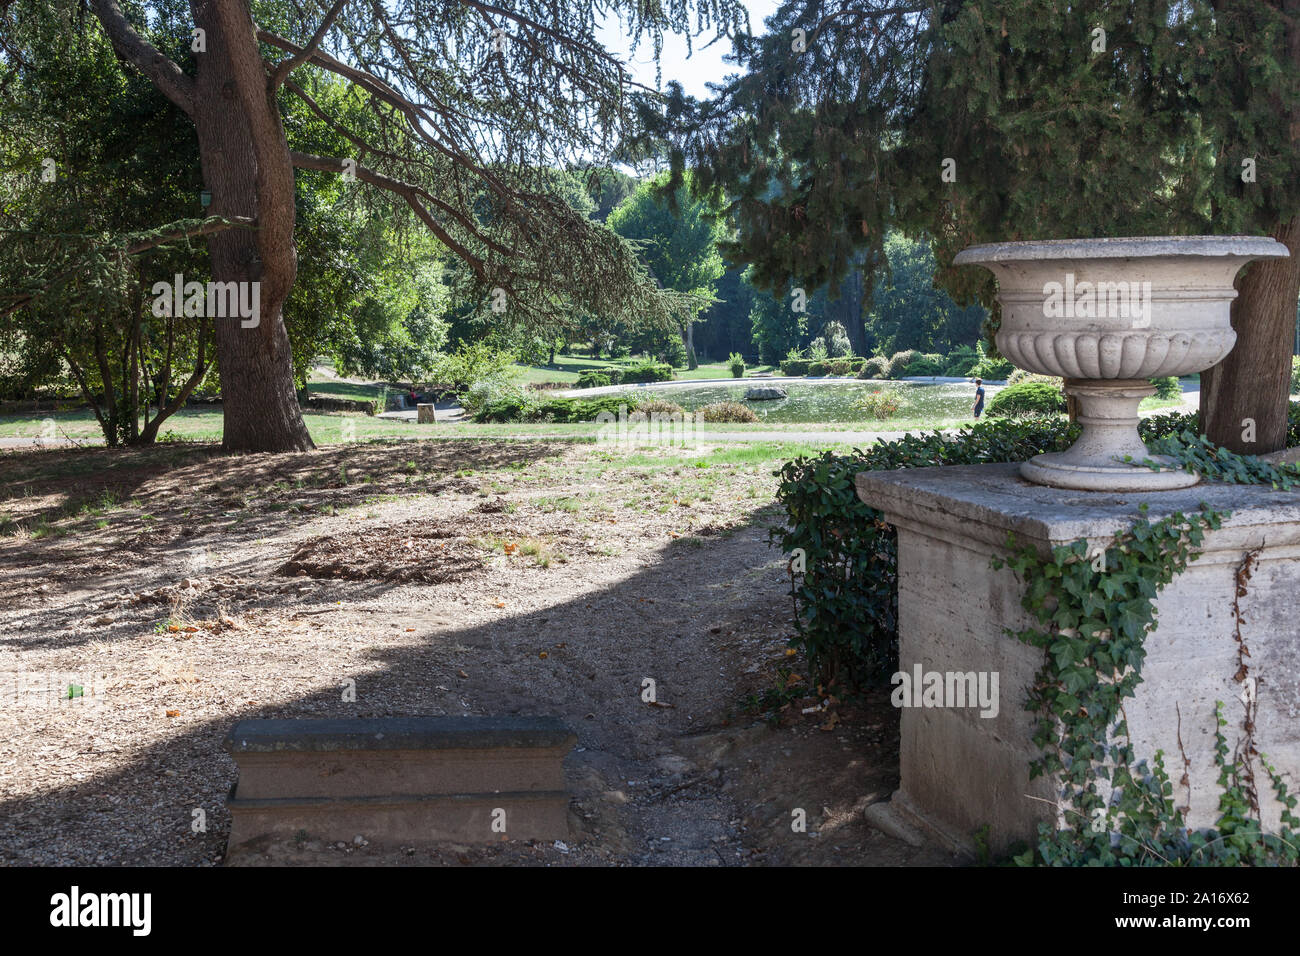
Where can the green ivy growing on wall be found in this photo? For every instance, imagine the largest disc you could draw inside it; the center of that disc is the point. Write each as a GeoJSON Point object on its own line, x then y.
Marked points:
{"type": "Point", "coordinates": [1094, 610]}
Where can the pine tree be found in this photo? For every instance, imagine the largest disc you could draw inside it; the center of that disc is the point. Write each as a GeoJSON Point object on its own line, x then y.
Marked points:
{"type": "Point", "coordinates": [987, 120]}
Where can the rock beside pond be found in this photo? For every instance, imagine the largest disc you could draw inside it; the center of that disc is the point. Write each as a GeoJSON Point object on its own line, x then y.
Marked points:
{"type": "Point", "coordinates": [764, 394]}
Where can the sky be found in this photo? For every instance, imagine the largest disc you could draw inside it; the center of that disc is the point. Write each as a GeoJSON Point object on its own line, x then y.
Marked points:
{"type": "Point", "coordinates": [702, 67]}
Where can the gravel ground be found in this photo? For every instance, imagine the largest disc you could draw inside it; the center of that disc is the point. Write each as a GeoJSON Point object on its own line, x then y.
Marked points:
{"type": "Point", "coordinates": [177, 590]}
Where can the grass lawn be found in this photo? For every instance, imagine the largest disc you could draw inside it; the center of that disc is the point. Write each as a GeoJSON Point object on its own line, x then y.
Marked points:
{"type": "Point", "coordinates": [204, 424]}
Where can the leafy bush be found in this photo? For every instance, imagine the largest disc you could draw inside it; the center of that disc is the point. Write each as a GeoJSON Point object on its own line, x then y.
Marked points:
{"type": "Point", "coordinates": [795, 366]}
{"type": "Point", "coordinates": [475, 362]}
{"type": "Point", "coordinates": [880, 405]}
{"type": "Point", "coordinates": [592, 379]}
{"type": "Point", "coordinates": [837, 340]}
{"type": "Point", "coordinates": [840, 366]}
{"type": "Point", "coordinates": [733, 412]}
{"type": "Point", "coordinates": [875, 367]}
{"type": "Point", "coordinates": [817, 350]}
{"type": "Point", "coordinates": [1295, 374]}
{"type": "Point", "coordinates": [736, 362]}
{"type": "Point", "coordinates": [816, 368]}
{"type": "Point", "coordinates": [520, 408]}
{"type": "Point", "coordinates": [1167, 387]}
{"type": "Point", "coordinates": [989, 367]}
{"type": "Point", "coordinates": [960, 361]}
{"type": "Point", "coordinates": [674, 352]}
{"type": "Point", "coordinates": [489, 392]}
{"type": "Point", "coordinates": [856, 363]}
{"type": "Point", "coordinates": [1027, 400]}
{"type": "Point", "coordinates": [899, 361]}
{"type": "Point", "coordinates": [649, 372]}
{"type": "Point", "coordinates": [846, 596]}
{"type": "Point", "coordinates": [927, 364]}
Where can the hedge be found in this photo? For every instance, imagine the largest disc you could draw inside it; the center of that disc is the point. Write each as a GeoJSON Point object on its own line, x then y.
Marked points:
{"type": "Point", "coordinates": [1027, 399]}
{"type": "Point", "coordinates": [846, 599]}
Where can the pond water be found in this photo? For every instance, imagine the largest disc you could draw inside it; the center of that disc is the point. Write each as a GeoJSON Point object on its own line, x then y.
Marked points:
{"type": "Point", "coordinates": [833, 401]}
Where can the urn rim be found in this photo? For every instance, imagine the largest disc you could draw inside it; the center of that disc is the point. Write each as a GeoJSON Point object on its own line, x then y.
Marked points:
{"type": "Point", "coordinates": [1132, 247]}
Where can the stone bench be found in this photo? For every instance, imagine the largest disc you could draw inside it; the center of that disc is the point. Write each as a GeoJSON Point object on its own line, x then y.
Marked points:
{"type": "Point", "coordinates": [400, 780]}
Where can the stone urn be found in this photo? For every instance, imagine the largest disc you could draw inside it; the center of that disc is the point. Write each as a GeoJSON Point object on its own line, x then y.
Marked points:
{"type": "Point", "coordinates": [1107, 315]}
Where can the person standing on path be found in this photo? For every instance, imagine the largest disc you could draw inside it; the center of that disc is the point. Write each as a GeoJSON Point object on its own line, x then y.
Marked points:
{"type": "Point", "coordinates": [979, 397]}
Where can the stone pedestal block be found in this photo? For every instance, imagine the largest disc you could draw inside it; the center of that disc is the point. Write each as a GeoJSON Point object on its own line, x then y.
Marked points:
{"type": "Point", "coordinates": [427, 414]}
{"type": "Point", "coordinates": [400, 780]}
{"type": "Point", "coordinates": [961, 771]}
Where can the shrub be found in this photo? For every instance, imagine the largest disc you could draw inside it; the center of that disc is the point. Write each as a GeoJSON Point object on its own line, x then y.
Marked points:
{"type": "Point", "coordinates": [989, 367]}
{"type": "Point", "coordinates": [880, 405]}
{"type": "Point", "coordinates": [816, 368]}
{"type": "Point", "coordinates": [795, 366]}
{"type": "Point", "coordinates": [674, 353]}
{"type": "Point", "coordinates": [1020, 375]}
{"type": "Point", "coordinates": [837, 340]}
{"type": "Point", "coordinates": [1167, 387]}
{"type": "Point", "coordinates": [471, 363]}
{"type": "Point", "coordinates": [1295, 374]}
{"type": "Point", "coordinates": [737, 364]}
{"type": "Point", "coordinates": [733, 412]}
{"type": "Point", "coordinates": [961, 360]}
{"type": "Point", "coordinates": [507, 409]}
{"type": "Point", "coordinates": [1027, 400]}
{"type": "Point", "coordinates": [856, 363]}
{"type": "Point", "coordinates": [817, 350]}
{"type": "Point", "coordinates": [660, 406]}
{"type": "Point", "coordinates": [490, 392]}
{"type": "Point", "coordinates": [518, 408]}
{"type": "Point", "coordinates": [840, 366]}
{"type": "Point", "coordinates": [592, 379]}
{"type": "Point", "coordinates": [649, 372]}
{"type": "Point", "coordinates": [875, 367]}
{"type": "Point", "coordinates": [846, 600]}
{"type": "Point", "coordinates": [930, 363]}
{"type": "Point", "coordinates": [899, 361]}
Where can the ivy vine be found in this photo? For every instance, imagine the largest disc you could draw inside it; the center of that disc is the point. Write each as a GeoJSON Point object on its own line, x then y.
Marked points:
{"type": "Point", "coordinates": [1094, 609]}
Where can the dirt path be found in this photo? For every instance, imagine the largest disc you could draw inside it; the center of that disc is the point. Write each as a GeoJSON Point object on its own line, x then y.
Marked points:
{"type": "Point", "coordinates": [181, 590]}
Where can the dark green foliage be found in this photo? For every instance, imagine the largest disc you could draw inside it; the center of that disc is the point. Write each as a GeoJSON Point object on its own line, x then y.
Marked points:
{"type": "Point", "coordinates": [899, 362]}
{"type": "Point", "coordinates": [595, 377]}
{"type": "Point", "coordinates": [927, 364]}
{"type": "Point", "coordinates": [816, 369]}
{"type": "Point", "coordinates": [960, 361]}
{"type": "Point", "coordinates": [561, 410]}
{"type": "Point", "coordinates": [845, 600]}
{"type": "Point", "coordinates": [736, 362]}
{"type": "Point", "coordinates": [875, 367]}
{"type": "Point", "coordinates": [648, 372]}
{"type": "Point", "coordinates": [1094, 611]}
{"type": "Point", "coordinates": [795, 366]}
{"type": "Point", "coordinates": [1167, 387]}
{"type": "Point", "coordinates": [1027, 400]}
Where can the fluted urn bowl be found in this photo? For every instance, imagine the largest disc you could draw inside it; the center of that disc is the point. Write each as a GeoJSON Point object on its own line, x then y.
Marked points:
{"type": "Point", "coordinates": [1107, 315]}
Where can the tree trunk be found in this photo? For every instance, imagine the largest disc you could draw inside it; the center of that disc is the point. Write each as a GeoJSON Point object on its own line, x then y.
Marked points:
{"type": "Point", "coordinates": [689, 338]}
{"type": "Point", "coordinates": [1246, 395]}
{"type": "Point", "coordinates": [246, 166]}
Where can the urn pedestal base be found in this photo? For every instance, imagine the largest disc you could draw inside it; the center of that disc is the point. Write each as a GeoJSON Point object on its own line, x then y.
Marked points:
{"type": "Point", "coordinates": [1108, 412]}
{"type": "Point", "coordinates": [962, 768]}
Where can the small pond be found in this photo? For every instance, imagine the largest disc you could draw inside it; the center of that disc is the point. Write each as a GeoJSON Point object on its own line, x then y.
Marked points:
{"type": "Point", "coordinates": [831, 401]}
